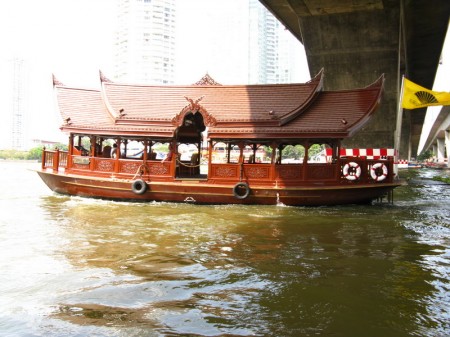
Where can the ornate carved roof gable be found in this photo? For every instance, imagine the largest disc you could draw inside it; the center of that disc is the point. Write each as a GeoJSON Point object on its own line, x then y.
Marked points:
{"type": "Point", "coordinates": [194, 107]}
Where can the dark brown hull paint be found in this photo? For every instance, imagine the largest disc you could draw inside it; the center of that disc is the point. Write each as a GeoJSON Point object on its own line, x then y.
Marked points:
{"type": "Point", "coordinates": [202, 192]}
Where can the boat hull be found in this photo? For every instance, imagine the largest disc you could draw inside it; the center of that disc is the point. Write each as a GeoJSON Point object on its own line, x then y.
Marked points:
{"type": "Point", "coordinates": [202, 192]}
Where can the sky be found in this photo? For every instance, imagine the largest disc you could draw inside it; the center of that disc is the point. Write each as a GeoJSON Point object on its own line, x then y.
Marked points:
{"type": "Point", "coordinates": [69, 38]}
{"type": "Point", "coordinates": [73, 39]}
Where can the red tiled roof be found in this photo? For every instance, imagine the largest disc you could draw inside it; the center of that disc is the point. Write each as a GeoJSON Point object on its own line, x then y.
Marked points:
{"type": "Point", "coordinates": [232, 111]}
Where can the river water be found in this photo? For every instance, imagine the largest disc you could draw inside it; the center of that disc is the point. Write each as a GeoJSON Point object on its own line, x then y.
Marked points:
{"type": "Point", "coordinates": [81, 267]}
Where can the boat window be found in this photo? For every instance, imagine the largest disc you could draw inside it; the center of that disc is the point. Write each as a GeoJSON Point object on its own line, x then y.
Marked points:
{"type": "Point", "coordinates": [219, 153]}
{"type": "Point", "coordinates": [82, 145]}
{"type": "Point", "coordinates": [186, 151]}
{"type": "Point", "coordinates": [317, 153]}
{"type": "Point", "coordinates": [133, 149]}
{"type": "Point", "coordinates": [164, 150]}
{"type": "Point", "coordinates": [292, 154]}
{"type": "Point", "coordinates": [249, 155]}
{"type": "Point", "coordinates": [106, 148]}
{"type": "Point", "coordinates": [263, 154]}
{"type": "Point", "coordinates": [158, 151]}
{"type": "Point", "coordinates": [234, 154]}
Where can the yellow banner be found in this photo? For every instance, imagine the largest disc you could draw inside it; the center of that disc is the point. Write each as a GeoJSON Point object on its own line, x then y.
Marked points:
{"type": "Point", "coordinates": [415, 96]}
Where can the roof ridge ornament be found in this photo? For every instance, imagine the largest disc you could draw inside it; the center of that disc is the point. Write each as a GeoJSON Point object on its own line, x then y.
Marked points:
{"type": "Point", "coordinates": [103, 78]}
{"type": "Point", "coordinates": [56, 81]}
{"type": "Point", "coordinates": [207, 80]}
{"type": "Point", "coordinates": [193, 105]}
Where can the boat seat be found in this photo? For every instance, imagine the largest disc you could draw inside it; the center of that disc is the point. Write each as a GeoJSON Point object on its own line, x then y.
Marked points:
{"type": "Point", "coordinates": [106, 152]}
{"type": "Point", "coordinates": [194, 162]}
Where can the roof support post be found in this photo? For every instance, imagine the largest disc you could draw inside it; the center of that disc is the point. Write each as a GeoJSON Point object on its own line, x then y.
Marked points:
{"type": "Point", "coordinates": [70, 152]}
{"type": "Point", "coordinates": [93, 141]}
{"type": "Point", "coordinates": [273, 160]}
{"type": "Point", "coordinates": [305, 161]}
{"type": "Point", "coordinates": [116, 161]}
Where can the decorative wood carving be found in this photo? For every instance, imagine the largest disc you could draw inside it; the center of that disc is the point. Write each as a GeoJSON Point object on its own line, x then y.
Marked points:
{"type": "Point", "coordinates": [105, 165]}
{"type": "Point", "coordinates": [225, 171]}
{"type": "Point", "coordinates": [159, 170]}
{"type": "Point", "coordinates": [320, 172]}
{"type": "Point", "coordinates": [257, 172]}
{"type": "Point", "coordinates": [207, 80]}
{"type": "Point", "coordinates": [289, 172]}
{"type": "Point", "coordinates": [194, 107]}
{"type": "Point", "coordinates": [130, 167]}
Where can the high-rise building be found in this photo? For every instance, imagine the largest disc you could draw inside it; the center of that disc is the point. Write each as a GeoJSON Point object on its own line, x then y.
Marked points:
{"type": "Point", "coordinates": [145, 41]}
{"type": "Point", "coordinates": [275, 55]}
{"type": "Point", "coordinates": [15, 105]}
{"type": "Point", "coordinates": [236, 42]}
{"type": "Point", "coordinates": [179, 41]}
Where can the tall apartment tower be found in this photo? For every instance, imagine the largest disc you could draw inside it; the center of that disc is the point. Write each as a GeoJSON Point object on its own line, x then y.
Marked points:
{"type": "Point", "coordinates": [274, 54]}
{"type": "Point", "coordinates": [236, 42]}
{"type": "Point", "coordinates": [145, 41]}
{"type": "Point", "coordinates": [15, 105]}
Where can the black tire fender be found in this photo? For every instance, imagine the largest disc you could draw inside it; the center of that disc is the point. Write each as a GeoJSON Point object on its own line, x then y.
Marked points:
{"type": "Point", "coordinates": [241, 190]}
{"type": "Point", "coordinates": [139, 186]}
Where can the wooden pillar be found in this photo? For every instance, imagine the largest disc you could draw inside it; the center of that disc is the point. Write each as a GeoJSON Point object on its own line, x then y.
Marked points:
{"type": "Point", "coordinates": [56, 160]}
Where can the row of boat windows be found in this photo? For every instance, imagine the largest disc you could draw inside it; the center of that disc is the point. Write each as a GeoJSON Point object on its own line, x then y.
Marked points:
{"type": "Point", "coordinates": [221, 152]}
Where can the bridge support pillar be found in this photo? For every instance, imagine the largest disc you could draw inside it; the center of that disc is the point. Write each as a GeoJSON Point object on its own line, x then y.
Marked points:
{"type": "Point", "coordinates": [440, 148]}
{"type": "Point", "coordinates": [355, 49]}
{"type": "Point", "coordinates": [447, 146]}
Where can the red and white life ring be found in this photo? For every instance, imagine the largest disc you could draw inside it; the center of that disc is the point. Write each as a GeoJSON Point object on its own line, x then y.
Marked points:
{"type": "Point", "coordinates": [351, 171]}
{"type": "Point", "coordinates": [379, 172]}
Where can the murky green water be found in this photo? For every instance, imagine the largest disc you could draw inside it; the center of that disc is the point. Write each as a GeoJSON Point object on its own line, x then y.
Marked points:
{"type": "Point", "coordinates": [83, 267]}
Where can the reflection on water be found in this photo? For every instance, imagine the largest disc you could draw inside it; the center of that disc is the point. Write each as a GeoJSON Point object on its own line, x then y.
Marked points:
{"type": "Point", "coordinates": [78, 267]}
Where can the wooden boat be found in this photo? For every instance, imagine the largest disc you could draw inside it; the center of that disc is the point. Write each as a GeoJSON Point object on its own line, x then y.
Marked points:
{"type": "Point", "coordinates": [234, 144]}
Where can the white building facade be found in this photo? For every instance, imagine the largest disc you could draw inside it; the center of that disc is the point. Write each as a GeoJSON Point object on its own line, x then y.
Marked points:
{"type": "Point", "coordinates": [145, 41]}
{"type": "Point", "coordinates": [179, 41]}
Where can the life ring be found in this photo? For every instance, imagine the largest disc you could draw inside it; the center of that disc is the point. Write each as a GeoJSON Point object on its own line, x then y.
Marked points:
{"type": "Point", "coordinates": [351, 171]}
{"type": "Point", "coordinates": [379, 172]}
{"type": "Point", "coordinates": [139, 186]}
{"type": "Point", "coordinates": [241, 190]}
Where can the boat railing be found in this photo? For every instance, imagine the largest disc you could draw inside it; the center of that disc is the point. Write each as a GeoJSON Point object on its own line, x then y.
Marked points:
{"type": "Point", "coordinates": [346, 170]}
{"type": "Point", "coordinates": [125, 168]}
{"type": "Point", "coordinates": [54, 159]}
{"type": "Point", "coordinates": [349, 170]}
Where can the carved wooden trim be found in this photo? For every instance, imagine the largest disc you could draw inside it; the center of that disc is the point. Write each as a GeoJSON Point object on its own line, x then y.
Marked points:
{"type": "Point", "coordinates": [289, 172]}
{"type": "Point", "coordinates": [224, 171]}
{"type": "Point", "coordinates": [257, 172]}
{"type": "Point", "coordinates": [105, 165]}
{"type": "Point", "coordinates": [194, 107]}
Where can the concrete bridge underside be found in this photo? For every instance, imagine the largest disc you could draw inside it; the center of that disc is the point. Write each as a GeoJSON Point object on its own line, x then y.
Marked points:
{"type": "Point", "coordinates": [355, 41]}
